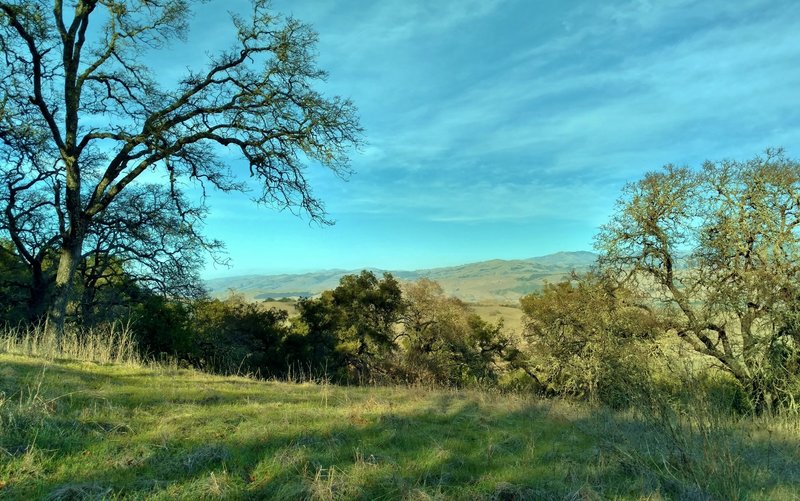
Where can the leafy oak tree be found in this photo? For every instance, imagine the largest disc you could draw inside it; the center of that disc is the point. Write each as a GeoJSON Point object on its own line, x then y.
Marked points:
{"type": "Point", "coordinates": [77, 81]}
{"type": "Point", "coordinates": [721, 247]}
{"type": "Point", "coordinates": [367, 310]}
{"type": "Point", "coordinates": [351, 329]}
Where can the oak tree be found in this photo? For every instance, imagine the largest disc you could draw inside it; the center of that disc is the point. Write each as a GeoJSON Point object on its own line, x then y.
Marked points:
{"type": "Point", "coordinates": [79, 82]}
{"type": "Point", "coordinates": [721, 247]}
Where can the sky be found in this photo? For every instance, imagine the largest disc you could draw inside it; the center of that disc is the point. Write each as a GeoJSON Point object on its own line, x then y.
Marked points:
{"type": "Point", "coordinates": [507, 128]}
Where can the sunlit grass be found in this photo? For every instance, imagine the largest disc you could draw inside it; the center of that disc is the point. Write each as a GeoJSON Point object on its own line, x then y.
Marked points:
{"type": "Point", "coordinates": [110, 343]}
{"type": "Point", "coordinates": [77, 430]}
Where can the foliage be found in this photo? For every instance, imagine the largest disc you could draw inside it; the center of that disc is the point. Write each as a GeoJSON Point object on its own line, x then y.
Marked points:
{"type": "Point", "coordinates": [236, 336]}
{"type": "Point", "coordinates": [13, 286]}
{"type": "Point", "coordinates": [370, 329]}
{"type": "Point", "coordinates": [314, 337]}
{"type": "Point", "coordinates": [163, 327]}
{"type": "Point", "coordinates": [357, 319]}
{"type": "Point", "coordinates": [367, 329]}
{"type": "Point", "coordinates": [446, 343]}
{"type": "Point", "coordinates": [585, 339]}
{"type": "Point", "coordinates": [721, 247]}
{"type": "Point", "coordinates": [367, 309]}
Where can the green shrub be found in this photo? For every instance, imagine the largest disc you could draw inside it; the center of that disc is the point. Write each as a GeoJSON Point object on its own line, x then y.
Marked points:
{"type": "Point", "coordinates": [586, 340]}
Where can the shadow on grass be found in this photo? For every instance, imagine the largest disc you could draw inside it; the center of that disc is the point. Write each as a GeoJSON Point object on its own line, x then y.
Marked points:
{"type": "Point", "coordinates": [196, 439]}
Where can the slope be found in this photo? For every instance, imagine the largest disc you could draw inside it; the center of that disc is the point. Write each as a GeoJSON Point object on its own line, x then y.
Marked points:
{"type": "Point", "coordinates": [72, 430]}
{"type": "Point", "coordinates": [495, 281]}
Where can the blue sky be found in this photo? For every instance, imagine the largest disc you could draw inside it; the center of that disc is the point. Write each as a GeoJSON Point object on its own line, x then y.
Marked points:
{"type": "Point", "coordinates": [506, 128]}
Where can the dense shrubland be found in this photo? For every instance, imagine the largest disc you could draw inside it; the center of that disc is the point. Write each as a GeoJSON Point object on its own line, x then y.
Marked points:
{"type": "Point", "coordinates": [369, 329]}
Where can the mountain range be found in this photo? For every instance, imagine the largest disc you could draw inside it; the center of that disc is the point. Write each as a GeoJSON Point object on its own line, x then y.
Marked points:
{"type": "Point", "coordinates": [497, 280]}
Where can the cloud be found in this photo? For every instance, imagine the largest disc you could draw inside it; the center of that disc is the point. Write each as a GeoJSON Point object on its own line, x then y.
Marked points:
{"type": "Point", "coordinates": [627, 88]}
{"type": "Point", "coordinates": [473, 200]}
{"type": "Point", "coordinates": [489, 115]}
{"type": "Point", "coordinates": [652, 90]}
{"type": "Point", "coordinates": [391, 22]}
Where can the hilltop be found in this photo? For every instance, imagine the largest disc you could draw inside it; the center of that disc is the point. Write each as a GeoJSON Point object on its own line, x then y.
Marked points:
{"type": "Point", "coordinates": [497, 280]}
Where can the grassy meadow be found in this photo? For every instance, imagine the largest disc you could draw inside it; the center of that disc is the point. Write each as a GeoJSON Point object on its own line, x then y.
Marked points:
{"type": "Point", "coordinates": [510, 313]}
{"type": "Point", "coordinates": [118, 428]}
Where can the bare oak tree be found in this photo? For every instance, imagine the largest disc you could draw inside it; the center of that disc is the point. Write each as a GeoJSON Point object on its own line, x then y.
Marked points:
{"type": "Point", "coordinates": [81, 76]}
{"type": "Point", "coordinates": [29, 193]}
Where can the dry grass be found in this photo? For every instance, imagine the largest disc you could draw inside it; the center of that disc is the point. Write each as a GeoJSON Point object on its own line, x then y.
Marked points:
{"type": "Point", "coordinates": [108, 344]}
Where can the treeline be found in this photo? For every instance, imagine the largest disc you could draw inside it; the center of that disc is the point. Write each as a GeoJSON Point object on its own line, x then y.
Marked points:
{"type": "Point", "coordinates": [587, 338]}
{"type": "Point", "coordinates": [375, 330]}
{"type": "Point", "coordinates": [367, 330]}
{"type": "Point", "coordinates": [697, 289]}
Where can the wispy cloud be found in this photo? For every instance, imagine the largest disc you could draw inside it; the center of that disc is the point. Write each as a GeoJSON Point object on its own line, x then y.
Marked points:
{"type": "Point", "coordinates": [618, 90]}
{"type": "Point", "coordinates": [497, 112]}
{"type": "Point", "coordinates": [372, 25]}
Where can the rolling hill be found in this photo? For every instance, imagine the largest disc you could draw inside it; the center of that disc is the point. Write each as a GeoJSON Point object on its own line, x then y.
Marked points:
{"type": "Point", "coordinates": [496, 280]}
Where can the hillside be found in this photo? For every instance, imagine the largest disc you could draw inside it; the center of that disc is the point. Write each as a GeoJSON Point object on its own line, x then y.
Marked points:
{"type": "Point", "coordinates": [78, 430]}
{"type": "Point", "coordinates": [495, 281]}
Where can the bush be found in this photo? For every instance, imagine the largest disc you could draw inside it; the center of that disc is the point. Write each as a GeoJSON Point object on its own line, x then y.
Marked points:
{"type": "Point", "coordinates": [445, 343]}
{"type": "Point", "coordinates": [163, 327]}
{"type": "Point", "coordinates": [234, 336]}
{"type": "Point", "coordinates": [586, 340]}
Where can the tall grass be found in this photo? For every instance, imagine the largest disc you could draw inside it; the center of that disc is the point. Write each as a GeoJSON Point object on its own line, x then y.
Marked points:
{"type": "Point", "coordinates": [107, 344]}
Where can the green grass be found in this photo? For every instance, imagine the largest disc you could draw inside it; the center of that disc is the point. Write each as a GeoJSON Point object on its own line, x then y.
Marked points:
{"type": "Point", "coordinates": [82, 430]}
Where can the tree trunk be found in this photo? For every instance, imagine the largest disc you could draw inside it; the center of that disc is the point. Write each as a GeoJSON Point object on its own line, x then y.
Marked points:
{"type": "Point", "coordinates": [69, 257]}
{"type": "Point", "coordinates": [762, 398]}
{"type": "Point", "coordinates": [37, 295]}
{"type": "Point", "coordinates": [72, 243]}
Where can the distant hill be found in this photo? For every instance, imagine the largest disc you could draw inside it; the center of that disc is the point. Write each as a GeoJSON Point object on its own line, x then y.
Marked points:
{"type": "Point", "coordinates": [497, 280]}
